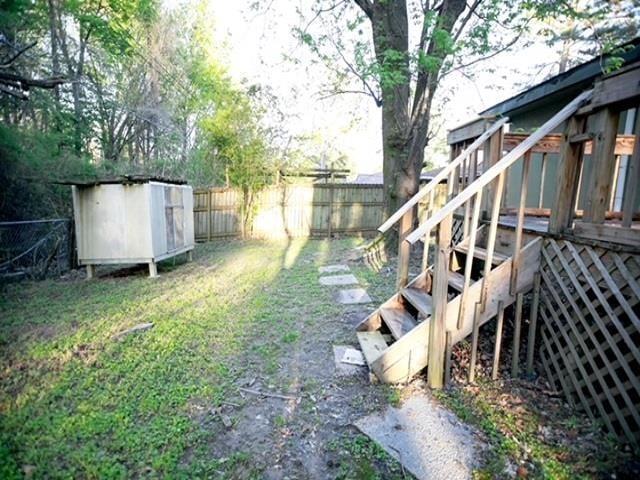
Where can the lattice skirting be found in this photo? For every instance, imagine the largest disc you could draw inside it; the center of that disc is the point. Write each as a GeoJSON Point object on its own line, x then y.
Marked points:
{"type": "Point", "coordinates": [590, 331]}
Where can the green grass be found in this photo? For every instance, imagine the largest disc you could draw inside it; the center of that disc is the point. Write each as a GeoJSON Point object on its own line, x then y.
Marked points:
{"type": "Point", "coordinates": [514, 438]}
{"type": "Point", "coordinates": [74, 402]}
{"type": "Point", "coordinates": [359, 458]}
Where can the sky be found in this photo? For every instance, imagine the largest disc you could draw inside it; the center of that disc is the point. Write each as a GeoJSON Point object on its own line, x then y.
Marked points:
{"type": "Point", "coordinates": [254, 45]}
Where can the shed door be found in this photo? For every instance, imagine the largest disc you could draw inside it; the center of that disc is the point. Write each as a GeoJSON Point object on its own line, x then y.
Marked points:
{"type": "Point", "coordinates": [174, 215]}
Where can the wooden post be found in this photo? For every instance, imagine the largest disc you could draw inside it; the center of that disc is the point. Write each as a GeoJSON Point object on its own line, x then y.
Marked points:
{"type": "Point", "coordinates": [468, 266]}
{"type": "Point", "coordinates": [330, 216]}
{"type": "Point", "coordinates": [498, 344]}
{"type": "Point", "coordinates": [209, 194]}
{"type": "Point", "coordinates": [447, 358]}
{"type": "Point", "coordinates": [543, 174]}
{"type": "Point", "coordinates": [516, 336]}
{"type": "Point", "coordinates": [404, 249]}
{"type": "Point", "coordinates": [474, 342]}
{"type": "Point", "coordinates": [91, 271]}
{"type": "Point", "coordinates": [427, 235]}
{"type": "Point", "coordinates": [517, 246]}
{"type": "Point", "coordinates": [604, 161]}
{"type": "Point", "coordinates": [492, 155]}
{"type": "Point", "coordinates": [491, 237]}
{"type": "Point", "coordinates": [533, 320]}
{"type": "Point", "coordinates": [569, 171]}
{"type": "Point", "coordinates": [632, 180]}
{"type": "Point", "coordinates": [437, 327]}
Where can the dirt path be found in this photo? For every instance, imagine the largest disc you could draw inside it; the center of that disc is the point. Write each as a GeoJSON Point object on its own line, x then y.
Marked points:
{"type": "Point", "coordinates": [303, 437]}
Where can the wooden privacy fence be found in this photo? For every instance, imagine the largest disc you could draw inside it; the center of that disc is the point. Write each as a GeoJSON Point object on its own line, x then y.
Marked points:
{"type": "Point", "coordinates": [300, 210]}
{"type": "Point", "coordinates": [590, 332]}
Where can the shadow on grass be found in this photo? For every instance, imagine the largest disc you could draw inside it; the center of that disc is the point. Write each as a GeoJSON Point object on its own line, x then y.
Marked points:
{"type": "Point", "coordinates": [76, 403]}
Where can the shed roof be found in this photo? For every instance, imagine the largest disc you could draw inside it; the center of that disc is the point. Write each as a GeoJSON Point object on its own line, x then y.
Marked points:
{"type": "Point", "coordinates": [121, 180]}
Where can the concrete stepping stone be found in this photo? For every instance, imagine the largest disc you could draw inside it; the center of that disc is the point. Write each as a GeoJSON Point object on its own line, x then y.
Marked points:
{"type": "Point", "coordinates": [353, 296]}
{"type": "Point", "coordinates": [338, 280]}
{"type": "Point", "coordinates": [427, 439]}
{"type": "Point", "coordinates": [333, 269]}
{"type": "Point", "coordinates": [346, 368]}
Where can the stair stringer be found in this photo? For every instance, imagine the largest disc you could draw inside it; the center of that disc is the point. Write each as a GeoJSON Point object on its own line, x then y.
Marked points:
{"type": "Point", "coordinates": [408, 355]}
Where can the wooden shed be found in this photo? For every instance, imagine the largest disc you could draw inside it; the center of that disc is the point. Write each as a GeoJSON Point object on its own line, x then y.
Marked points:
{"type": "Point", "coordinates": [132, 220]}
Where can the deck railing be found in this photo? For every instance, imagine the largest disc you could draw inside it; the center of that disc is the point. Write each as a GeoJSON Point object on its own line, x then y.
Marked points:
{"type": "Point", "coordinates": [470, 200]}
{"type": "Point", "coordinates": [458, 173]}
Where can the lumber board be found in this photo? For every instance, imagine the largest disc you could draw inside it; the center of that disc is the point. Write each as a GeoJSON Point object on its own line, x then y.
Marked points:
{"type": "Point", "coordinates": [552, 143]}
{"type": "Point", "coordinates": [456, 281]}
{"type": "Point", "coordinates": [481, 254]}
{"type": "Point", "coordinates": [399, 321]}
{"type": "Point", "coordinates": [373, 345]}
{"type": "Point", "coordinates": [419, 299]}
{"type": "Point", "coordinates": [608, 233]}
{"type": "Point", "coordinates": [405, 357]}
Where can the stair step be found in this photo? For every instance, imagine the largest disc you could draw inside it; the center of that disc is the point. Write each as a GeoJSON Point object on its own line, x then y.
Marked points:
{"type": "Point", "coordinates": [456, 280]}
{"type": "Point", "coordinates": [481, 254]}
{"type": "Point", "coordinates": [372, 343]}
{"type": "Point", "coordinates": [398, 320]}
{"type": "Point", "coordinates": [419, 299]}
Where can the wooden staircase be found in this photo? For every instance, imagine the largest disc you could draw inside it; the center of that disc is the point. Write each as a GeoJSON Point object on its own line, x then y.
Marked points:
{"type": "Point", "coordinates": [474, 276]}
{"type": "Point", "coordinates": [395, 338]}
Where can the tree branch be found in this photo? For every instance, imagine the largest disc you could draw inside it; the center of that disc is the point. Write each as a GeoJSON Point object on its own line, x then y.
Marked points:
{"type": "Point", "coordinates": [366, 6]}
{"type": "Point", "coordinates": [26, 83]}
{"type": "Point", "coordinates": [17, 55]}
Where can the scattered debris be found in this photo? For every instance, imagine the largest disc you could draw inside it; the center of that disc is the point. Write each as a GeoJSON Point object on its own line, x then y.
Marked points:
{"type": "Point", "coordinates": [343, 368]}
{"type": "Point", "coordinates": [428, 440]}
{"type": "Point", "coordinates": [333, 269]}
{"type": "Point", "coordinates": [141, 327]}
{"type": "Point", "coordinates": [353, 357]}
{"type": "Point", "coordinates": [353, 296]}
{"type": "Point", "coordinates": [267, 394]}
{"type": "Point", "coordinates": [348, 279]}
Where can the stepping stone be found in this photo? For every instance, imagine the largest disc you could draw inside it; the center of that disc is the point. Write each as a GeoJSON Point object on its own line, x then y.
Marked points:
{"type": "Point", "coordinates": [333, 269]}
{"type": "Point", "coordinates": [430, 441]}
{"type": "Point", "coordinates": [344, 369]}
{"type": "Point", "coordinates": [352, 296]}
{"type": "Point", "coordinates": [338, 280]}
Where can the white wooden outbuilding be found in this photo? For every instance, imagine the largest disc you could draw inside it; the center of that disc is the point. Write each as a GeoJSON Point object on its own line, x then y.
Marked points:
{"type": "Point", "coordinates": [132, 220]}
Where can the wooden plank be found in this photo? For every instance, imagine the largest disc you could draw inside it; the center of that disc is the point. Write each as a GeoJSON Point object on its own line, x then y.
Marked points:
{"type": "Point", "coordinates": [608, 233]}
{"type": "Point", "coordinates": [474, 342]}
{"type": "Point", "coordinates": [498, 343]}
{"type": "Point", "coordinates": [631, 182]}
{"type": "Point", "coordinates": [517, 245]}
{"type": "Point", "coordinates": [569, 171]}
{"type": "Point", "coordinates": [470, 250]}
{"type": "Point", "coordinates": [405, 357]}
{"type": "Point", "coordinates": [481, 254]}
{"type": "Point", "coordinates": [373, 345]}
{"type": "Point", "coordinates": [600, 182]}
{"type": "Point", "coordinates": [404, 249]}
{"type": "Point", "coordinates": [552, 143]}
{"type": "Point", "coordinates": [533, 322]}
{"type": "Point", "coordinates": [543, 174]}
{"type": "Point", "coordinates": [467, 131]}
{"type": "Point", "coordinates": [398, 320]}
{"type": "Point", "coordinates": [618, 88]}
{"type": "Point", "coordinates": [491, 237]}
{"type": "Point", "coordinates": [419, 299]}
{"type": "Point", "coordinates": [442, 175]}
{"type": "Point", "coordinates": [456, 280]}
{"type": "Point", "coordinates": [437, 330]}
{"type": "Point", "coordinates": [500, 167]}
{"type": "Point", "coordinates": [517, 328]}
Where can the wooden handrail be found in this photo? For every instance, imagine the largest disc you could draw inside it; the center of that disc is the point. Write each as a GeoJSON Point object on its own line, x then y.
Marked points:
{"type": "Point", "coordinates": [499, 167]}
{"type": "Point", "coordinates": [442, 175]}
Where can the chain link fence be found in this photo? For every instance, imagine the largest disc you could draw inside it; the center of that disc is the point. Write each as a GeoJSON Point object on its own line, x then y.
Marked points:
{"type": "Point", "coordinates": [35, 249]}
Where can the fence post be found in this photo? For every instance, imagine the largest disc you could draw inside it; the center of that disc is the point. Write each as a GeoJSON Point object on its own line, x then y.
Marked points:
{"type": "Point", "coordinates": [330, 216]}
{"type": "Point", "coordinates": [209, 193]}
{"type": "Point", "coordinates": [404, 249]}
